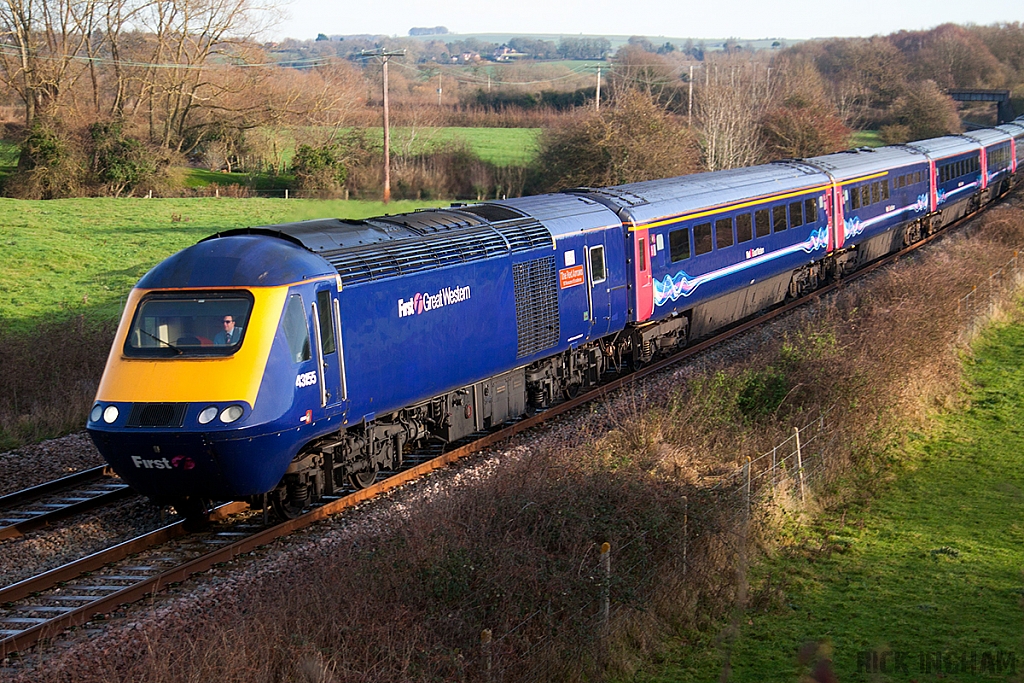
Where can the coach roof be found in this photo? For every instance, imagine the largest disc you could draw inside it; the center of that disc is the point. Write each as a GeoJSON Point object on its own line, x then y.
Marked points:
{"type": "Point", "coordinates": [656, 200]}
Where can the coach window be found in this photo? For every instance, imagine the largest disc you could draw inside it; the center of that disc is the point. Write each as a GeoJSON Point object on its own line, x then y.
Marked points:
{"type": "Point", "coordinates": [811, 210]}
{"type": "Point", "coordinates": [702, 238]}
{"type": "Point", "coordinates": [854, 198]}
{"type": "Point", "coordinates": [744, 229]}
{"type": "Point", "coordinates": [779, 218]}
{"type": "Point", "coordinates": [295, 330]}
{"type": "Point", "coordinates": [323, 303]}
{"type": "Point", "coordinates": [597, 273]}
{"type": "Point", "coordinates": [865, 194]}
{"type": "Point", "coordinates": [723, 233]}
{"type": "Point", "coordinates": [885, 189]}
{"type": "Point", "coordinates": [796, 214]}
{"type": "Point", "coordinates": [679, 244]}
{"type": "Point", "coordinates": [762, 222]}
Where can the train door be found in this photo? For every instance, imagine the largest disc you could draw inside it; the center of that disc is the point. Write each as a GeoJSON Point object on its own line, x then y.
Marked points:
{"type": "Point", "coordinates": [644, 281]}
{"type": "Point", "coordinates": [329, 354]}
{"type": "Point", "coordinates": [598, 292]}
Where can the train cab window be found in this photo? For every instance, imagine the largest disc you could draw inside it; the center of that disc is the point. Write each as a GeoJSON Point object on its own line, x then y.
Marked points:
{"type": "Point", "coordinates": [744, 228]}
{"type": "Point", "coordinates": [323, 309]}
{"type": "Point", "coordinates": [597, 273]}
{"type": "Point", "coordinates": [723, 233]}
{"type": "Point", "coordinates": [176, 324]}
{"type": "Point", "coordinates": [762, 222]}
{"type": "Point", "coordinates": [811, 210]}
{"type": "Point", "coordinates": [702, 238]}
{"type": "Point", "coordinates": [296, 332]}
{"type": "Point", "coordinates": [779, 218]}
{"type": "Point", "coordinates": [679, 244]}
{"type": "Point", "coordinates": [796, 214]}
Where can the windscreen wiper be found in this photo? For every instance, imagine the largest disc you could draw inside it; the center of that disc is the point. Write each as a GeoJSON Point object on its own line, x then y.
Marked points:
{"type": "Point", "coordinates": [165, 343]}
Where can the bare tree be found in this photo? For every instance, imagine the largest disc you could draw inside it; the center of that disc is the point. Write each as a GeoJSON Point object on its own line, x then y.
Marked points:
{"type": "Point", "coordinates": [731, 104]}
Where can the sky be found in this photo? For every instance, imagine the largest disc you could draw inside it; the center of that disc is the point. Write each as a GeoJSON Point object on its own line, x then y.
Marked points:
{"type": "Point", "coordinates": [708, 19]}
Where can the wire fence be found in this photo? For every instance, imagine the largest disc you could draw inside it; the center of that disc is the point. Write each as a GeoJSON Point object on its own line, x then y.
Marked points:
{"type": "Point", "coordinates": [983, 299]}
{"type": "Point", "coordinates": [784, 475]}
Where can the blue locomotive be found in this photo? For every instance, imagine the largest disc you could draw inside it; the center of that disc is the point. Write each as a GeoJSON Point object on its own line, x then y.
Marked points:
{"type": "Point", "coordinates": [275, 364]}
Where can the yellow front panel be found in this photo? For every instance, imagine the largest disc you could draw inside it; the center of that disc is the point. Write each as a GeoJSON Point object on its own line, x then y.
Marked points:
{"type": "Point", "coordinates": [179, 380]}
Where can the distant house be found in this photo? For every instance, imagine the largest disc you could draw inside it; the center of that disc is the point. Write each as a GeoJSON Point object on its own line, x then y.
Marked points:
{"type": "Point", "coordinates": [506, 54]}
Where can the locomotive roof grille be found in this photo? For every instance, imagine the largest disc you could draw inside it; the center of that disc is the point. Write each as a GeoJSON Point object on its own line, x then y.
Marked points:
{"type": "Point", "coordinates": [436, 250]}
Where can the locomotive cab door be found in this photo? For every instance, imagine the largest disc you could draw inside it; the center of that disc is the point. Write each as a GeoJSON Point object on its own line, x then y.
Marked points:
{"type": "Point", "coordinates": [329, 352]}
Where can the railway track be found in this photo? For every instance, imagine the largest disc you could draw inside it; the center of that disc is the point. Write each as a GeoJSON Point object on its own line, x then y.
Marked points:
{"type": "Point", "coordinates": [43, 606]}
{"type": "Point", "coordinates": [38, 506]}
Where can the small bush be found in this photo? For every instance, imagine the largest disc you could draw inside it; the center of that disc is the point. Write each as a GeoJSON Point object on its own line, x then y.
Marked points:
{"type": "Point", "coordinates": [51, 163]}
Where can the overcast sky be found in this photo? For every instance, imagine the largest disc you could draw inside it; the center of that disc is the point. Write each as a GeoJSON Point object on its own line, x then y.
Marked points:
{"type": "Point", "coordinates": [745, 19]}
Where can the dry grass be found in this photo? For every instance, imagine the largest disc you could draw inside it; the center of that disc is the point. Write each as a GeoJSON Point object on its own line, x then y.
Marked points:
{"type": "Point", "coordinates": [48, 377]}
{"type": "Point", "coordinates": [518, 553]}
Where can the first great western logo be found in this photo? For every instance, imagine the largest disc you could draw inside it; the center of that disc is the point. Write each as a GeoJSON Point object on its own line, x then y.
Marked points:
{"type": "Point", "coordinates": [422, 302]}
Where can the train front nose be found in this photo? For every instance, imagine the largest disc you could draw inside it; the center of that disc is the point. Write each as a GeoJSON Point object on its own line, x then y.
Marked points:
{"type": "Point", "coordinates": [165, 467]}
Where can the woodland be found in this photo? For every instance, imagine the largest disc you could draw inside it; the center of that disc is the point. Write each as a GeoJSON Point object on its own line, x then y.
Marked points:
{"type": "Point", "coordinates": [124, 97]}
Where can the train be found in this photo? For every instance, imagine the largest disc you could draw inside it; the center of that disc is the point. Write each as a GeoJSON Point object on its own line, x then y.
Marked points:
{"type": "Point", "coordinates": [279, 364]}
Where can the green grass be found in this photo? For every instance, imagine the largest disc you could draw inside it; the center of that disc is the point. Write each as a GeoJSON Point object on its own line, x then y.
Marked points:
{"type": "Point", "coordinates": [84, 255]}
{"type": "Point", "coordinates": [931, 565]}
{"type": "Point", "coordinates": [499, 146]}
{"type": "Point", "coordinates": [866, 138]}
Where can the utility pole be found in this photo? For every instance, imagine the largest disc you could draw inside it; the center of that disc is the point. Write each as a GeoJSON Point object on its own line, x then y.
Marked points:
{"type": "Point", "coordinates": [597, 100]}
{"type": "Point", "coordinates": [689, 108]}
{"type": "Point", "coordinates": [384, 56]}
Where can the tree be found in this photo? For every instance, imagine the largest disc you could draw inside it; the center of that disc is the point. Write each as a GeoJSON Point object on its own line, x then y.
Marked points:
{"type": "Point", "coordinates": [799, 129]}
{"type": "Point", "coordinates": [632, 140]}
{"type": "Point", "coordinates": [923, 112]}
{"type": "Point", "coordinates": [730, 106]}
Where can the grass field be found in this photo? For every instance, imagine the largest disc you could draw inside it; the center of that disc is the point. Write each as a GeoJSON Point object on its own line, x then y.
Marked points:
{"type": "Point", "coordinates": [923, 582]}
{"type": "Point", "coordinates": [84, 255]}
{"type": "Point", "coordinates": [866, 138]}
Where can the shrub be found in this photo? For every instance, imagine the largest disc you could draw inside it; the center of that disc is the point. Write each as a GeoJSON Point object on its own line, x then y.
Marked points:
{"type": "Point", "coordinates": [50, 164]}
{"type": "Point", "coordinates": [120, 163]}
{"type": "Point", "coordinates": [631, 141]}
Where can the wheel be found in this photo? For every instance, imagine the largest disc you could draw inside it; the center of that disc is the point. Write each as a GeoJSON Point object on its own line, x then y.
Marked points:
{"type": "Point", "coordinates": [285, 508]}
{"type": "Point", "coordinates": [364, 479]}
{"type": "Point", "coordinates": [289, 501]}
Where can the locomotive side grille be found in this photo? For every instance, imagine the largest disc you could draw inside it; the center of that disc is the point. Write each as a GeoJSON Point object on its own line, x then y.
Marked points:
{"type": "Point", "coordinates": [383, 260]}
{"type": "Point", "coordinates": [524, 234]}
{"type": "Point", "coordinates": [157, 414]}
{"type": "Point", "coordinates": [536, 287]}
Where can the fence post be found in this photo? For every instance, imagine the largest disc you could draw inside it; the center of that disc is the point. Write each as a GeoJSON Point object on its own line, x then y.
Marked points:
{"type": "Point", "coordinates": [606, 581]}
{"type": "Point", "coordinates": [485, 649]}
{"type": "Point", "coordinates": [799, 462]}
{"type": "Point", "coordinates": [286, 193]}
{"type": "Point", "coordinates": [746, 466]}
{"type": "Point", "coordinates": [686, 516]}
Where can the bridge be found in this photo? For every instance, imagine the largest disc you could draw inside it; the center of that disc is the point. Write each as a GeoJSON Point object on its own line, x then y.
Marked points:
{"type": "Point", "coordinates": [1004, 111]}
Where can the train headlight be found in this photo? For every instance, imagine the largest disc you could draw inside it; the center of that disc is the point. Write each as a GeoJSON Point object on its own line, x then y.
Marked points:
{"type": "Point", "coordinates": [97, 413]}
{"type": "Point", "coordinates": [110, 414]}
{"type": "Point", "coordinates": [207, 415]}
{"type": "Point", "coordinates": [231, 413]}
